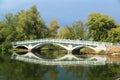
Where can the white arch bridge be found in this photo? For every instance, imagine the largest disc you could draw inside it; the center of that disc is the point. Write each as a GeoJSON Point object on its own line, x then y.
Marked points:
{"type": "Point", "coordinates": [69, 45]}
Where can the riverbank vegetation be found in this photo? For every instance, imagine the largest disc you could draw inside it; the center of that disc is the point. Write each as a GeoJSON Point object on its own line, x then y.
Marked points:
{"type": "Point", "coordinates": [29, 25]}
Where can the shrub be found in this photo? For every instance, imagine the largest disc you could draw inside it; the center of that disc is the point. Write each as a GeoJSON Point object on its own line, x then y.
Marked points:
{"type": "Point", "coordinates": [102, 52]}
{"type": "Point", "coordinates": [87, 51]}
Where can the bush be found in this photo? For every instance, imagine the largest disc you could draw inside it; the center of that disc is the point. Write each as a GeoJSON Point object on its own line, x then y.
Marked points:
{"type": "Point", "coordinates": [87, 50]}
{"type": "Point", "coordinates": [102, 52]}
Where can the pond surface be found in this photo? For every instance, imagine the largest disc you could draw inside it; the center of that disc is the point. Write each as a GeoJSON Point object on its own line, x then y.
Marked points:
{"type": "Point", "coordinates": [18, 70]}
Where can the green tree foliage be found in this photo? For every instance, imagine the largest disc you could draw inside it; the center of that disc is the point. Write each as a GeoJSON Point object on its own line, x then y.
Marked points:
{"type": "Point", "coordinates": [65, 33]}
{"type": "Point", "coordinates": [4, 32]}
{"type": "Point", "coordinates": [114, 35]}
{"type": "Point", "coordinates": [2, 37]}
{"type": "Point", "coordinates": [30, 25]}
{"type": "Point", "coordinates": [26, 24]}
{"type": "Point", "coordinates": [10, 22]}
{"type": "Point", "coordinates": [76, 31]}
{"type": "Point", "coordinates": [53, 29]}
{"type": "Point", "coordinates": [99, 25]}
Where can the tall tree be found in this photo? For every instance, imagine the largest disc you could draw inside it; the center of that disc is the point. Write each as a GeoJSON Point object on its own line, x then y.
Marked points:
{"type": "Point", "coordinates": [76, 31]}
{"type": "Point", "coordinates": [30, 25]}
{"type": "Point", "coordinates": [65, 33]}
{"type": "Point", "coordinates": [26, 24]}
{"type": "Point", "coordinates": [99, 25]}
{"type": "Point", "coordinates": [53, 29]}
{"type": "Point", "coordinates": [10, 21]}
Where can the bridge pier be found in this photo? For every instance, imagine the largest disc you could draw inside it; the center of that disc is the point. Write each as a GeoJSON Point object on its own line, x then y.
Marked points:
{"type": "Point", "coordinates": [69, 52]}
{"type": "Point", "coordinates": [69, 49]}
{"type": "Point", "coordinates": [29, 50]}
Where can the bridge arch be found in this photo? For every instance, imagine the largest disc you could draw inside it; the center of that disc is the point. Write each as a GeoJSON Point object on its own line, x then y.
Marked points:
{"type": "Point", "coordinates": [76, 47]}
{"type": "Point", "coordinates": [38, 52]}
{"type": "Point", "coordinates": [76, 50]}
{"type": "Point", "coordinates": [19, 48]}
{"type": "Point", "coordinates": [41, 44]}
{"type": "Point", "coordinates": [22, 47]}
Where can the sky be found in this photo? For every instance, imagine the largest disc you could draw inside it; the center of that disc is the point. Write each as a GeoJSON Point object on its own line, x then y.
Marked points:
{"type": "Point", "coordinates": [66, 11]}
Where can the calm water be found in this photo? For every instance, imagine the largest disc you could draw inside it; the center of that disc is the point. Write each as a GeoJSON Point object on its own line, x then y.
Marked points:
{"type": "Point", "coordinates": [19, 70]}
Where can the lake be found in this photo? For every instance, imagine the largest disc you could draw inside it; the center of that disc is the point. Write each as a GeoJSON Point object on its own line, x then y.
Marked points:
{"type": "Point", "coordinates": [11, 69]}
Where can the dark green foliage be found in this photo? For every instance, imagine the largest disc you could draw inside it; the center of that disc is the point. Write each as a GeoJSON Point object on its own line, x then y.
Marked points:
{"type": "Point", "coordinates": [30, 25]}
{"type": "Point", "coordinates": [114, 35]}
{"type": "Point", "coordinates": [102, 52]}
{"type": "Point", "coordinates": [99, 25]}
{"type": "Point", "coordinates": [26, 24]}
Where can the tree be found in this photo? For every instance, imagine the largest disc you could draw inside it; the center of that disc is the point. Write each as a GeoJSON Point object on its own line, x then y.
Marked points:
{"type": "Point", "coordinates": [30, 25]}
{"type": "Point", "coordinates": [53, 29]}
{"type": "Point", "coordinates": [10, 21]}
{"type": "Point", "coordinates": [76, 31]}
{"type": "Point", "coordinates": [61, 33]}
{"type": "Point", "coordinates": [66, 33]}
{"type": "Point", "coordinates": [99, 25]}
{"type": "Point", "coordinates": [4, 31]}
{"type": "Point", "coordinates": [26, 24]}
{"type": "Point", "coordinates": [114, 35]}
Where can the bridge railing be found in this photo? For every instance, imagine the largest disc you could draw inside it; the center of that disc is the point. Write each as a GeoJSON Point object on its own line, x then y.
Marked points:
{"type": "Point", "coordinates": [68, 41]}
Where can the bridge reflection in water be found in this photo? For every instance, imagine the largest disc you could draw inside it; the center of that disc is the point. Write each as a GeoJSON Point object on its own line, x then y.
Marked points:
{"type": "Point", "coordinates": [91, 60]}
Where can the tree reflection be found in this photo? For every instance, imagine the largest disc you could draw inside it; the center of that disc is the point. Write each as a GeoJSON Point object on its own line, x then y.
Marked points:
{"type": "Point", "coordinates": [50, 51]}
{"type": "Point", "coordinates": [78, 72]}
{"type": "Point", "coordinates": [106, 72]}
{"type": "Point", "coordinates": [16, 70]}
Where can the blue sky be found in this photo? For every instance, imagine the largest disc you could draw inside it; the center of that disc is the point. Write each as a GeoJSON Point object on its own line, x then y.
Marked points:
{"type": "Point", "coordinates": [66, 11]}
